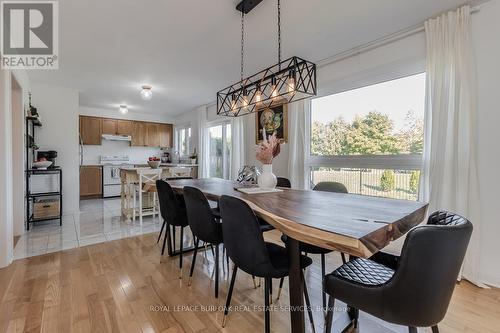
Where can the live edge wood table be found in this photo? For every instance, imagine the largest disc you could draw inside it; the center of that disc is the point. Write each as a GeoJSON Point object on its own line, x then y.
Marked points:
{"type": "Point", "coordinates": [354, 224]}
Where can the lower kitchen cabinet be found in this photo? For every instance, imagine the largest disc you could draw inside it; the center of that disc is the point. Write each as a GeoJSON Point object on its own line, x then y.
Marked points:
{"type": "Point", "coordinates": [91, 181]}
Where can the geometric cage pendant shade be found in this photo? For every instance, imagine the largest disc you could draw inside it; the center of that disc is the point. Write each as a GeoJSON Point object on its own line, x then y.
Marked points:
{"type": "Point", "coordinates": [288, 81]}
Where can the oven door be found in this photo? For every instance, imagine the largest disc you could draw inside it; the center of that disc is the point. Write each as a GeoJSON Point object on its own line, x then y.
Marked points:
{"type": "Point", "coordinates": [111, 175]}
{"type": "Point", "coordinates": [111, 191]}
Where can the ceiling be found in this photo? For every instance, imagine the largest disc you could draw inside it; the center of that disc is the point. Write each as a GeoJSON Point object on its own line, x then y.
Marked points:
{"type": "Point", "coordinates": [188, 50]}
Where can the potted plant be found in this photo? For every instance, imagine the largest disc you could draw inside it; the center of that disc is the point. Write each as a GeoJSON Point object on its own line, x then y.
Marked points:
{"type": "Point", "coordinates": [193, 157]}
{"type": "Point", "coordinates": [266, 151]}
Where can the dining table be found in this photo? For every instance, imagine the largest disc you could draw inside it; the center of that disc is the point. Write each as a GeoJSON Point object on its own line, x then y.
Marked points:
{"type": "Point", "coordinates": [354, 224]}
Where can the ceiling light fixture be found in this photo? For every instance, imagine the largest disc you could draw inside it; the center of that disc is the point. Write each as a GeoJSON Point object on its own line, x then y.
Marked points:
{"type": "Point", "coordinates": [123, 109]}
{"type": "Point", "coordinates": [288, 81]}
{"type": "Point", "coordinates": [146, 92]}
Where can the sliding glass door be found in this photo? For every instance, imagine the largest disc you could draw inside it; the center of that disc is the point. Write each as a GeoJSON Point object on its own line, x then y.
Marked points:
{"type": "Point", "coordinates": [219, 139]}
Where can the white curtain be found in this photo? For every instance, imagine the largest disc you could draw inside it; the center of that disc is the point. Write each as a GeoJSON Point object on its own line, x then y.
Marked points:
{"type": "Point", "coordinates": [238, 127]}
{"type": "Point", "coordinates": [449, 176]}
{"type": "Point", "coordinates": [297, 113]}
{"type": "Point", "coordinates": [203, 148]}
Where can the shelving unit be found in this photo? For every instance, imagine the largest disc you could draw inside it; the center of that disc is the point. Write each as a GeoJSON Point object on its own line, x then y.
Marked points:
{"type": "Point", "coordinates": [31, 124]}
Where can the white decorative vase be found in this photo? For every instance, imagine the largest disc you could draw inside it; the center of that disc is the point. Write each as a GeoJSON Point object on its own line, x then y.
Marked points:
{"type": "Point", "coordinates": [267, 180]}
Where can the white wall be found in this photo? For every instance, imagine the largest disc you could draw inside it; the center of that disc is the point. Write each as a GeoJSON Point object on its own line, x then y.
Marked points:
{"type": "Point", "coordinates": [58, 108]}
{"type": "Point", "coordinates": [486, 26]}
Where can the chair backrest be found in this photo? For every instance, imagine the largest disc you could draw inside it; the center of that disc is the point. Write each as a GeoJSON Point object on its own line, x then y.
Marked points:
{"type": "Point", "coordinates": [283, 182]}
{"type": "Point", "coordinates": [200, 217]}
{"type": "Point", "coordinates": [243, 238]}
{"type": "Point", "coordinates": [331, 187]}
{"type": "Point", "coordinates": [172, 206]}
{"type": "Point", "coordinates": [432, 255]}
{"type": "Point", "coordinates": [179, 172]}
{"type": "Point", "coordinates": [148, 176]}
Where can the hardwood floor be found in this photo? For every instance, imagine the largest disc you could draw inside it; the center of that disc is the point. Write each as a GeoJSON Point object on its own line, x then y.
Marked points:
{"type": "Point", "coordinates": [125, 286]}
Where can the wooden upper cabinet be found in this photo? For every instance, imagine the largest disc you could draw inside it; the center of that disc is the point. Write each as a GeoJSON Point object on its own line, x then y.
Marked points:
{"type": "Point", "coordinates": [153, 135]}
{"type": "Point", "coordinates": [166, 135]}
{"type": "Point", "coordinates": [138, 134]}
{"type": "Point", "coordinates": [90, 130]}
{"type": "Point", "coordinates": [109, 126]}
{"type": "Point", "coordinates": [124, 127]}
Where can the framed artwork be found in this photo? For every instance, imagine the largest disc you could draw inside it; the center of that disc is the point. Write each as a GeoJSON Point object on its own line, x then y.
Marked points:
{"type": "Point", "coordinates": [272, 119]}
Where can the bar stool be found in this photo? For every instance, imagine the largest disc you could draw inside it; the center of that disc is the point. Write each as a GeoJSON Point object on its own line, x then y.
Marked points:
{"type": "Point", "coordinates": [147, 179]}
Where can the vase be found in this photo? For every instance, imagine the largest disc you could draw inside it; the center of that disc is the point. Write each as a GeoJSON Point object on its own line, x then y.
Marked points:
{"type": "Point", "coordinates": [267, 180]}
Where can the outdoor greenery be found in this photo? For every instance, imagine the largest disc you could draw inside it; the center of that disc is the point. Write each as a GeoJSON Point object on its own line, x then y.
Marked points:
{"type": "Point", "coordinates": [388, 180]}
{"type": "Point", "coordinates": [371, 134]}
{"type": "Point", "coordinates": [414, 179]}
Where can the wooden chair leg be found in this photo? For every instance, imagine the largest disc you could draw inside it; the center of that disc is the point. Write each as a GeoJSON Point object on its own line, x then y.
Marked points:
{"type": "Point", "coordinates": [329, 315]}
{"type": "Point", "coordinates": [193, 262]}
{"type": "Point", "coordinates": [229, 295]}
{"type": "Point", "coordinates": [267, 318]}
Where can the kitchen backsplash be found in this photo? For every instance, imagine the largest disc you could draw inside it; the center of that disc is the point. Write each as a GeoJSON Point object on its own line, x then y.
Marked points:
{"type": "Point", "coordinates": [92, 154]}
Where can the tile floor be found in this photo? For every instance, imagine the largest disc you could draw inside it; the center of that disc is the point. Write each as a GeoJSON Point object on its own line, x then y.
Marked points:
{"type": "Point", "coordinates": [99, 221]}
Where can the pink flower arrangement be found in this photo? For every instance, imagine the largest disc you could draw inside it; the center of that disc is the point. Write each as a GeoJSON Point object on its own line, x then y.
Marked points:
{"type": "Point", "coordinates": [268, 149]}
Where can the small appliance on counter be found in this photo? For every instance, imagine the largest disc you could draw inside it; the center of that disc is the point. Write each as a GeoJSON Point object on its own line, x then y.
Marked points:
{"type": "Point", "coordinates": [165, 157]}
{"type": "Point", "coordinates": [49, 155]}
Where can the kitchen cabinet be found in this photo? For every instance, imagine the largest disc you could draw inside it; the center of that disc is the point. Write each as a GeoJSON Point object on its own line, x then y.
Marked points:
{"type": "Point", "coordinates": [152, 135]}
{"type": "Point", "coordinates": [109, 126]}
{"type": "Point", "coordinates": [166, 135]}
{"type": "Point", "coordinates": [139, 134]}
{"type": "Point", "coordinates": [124, 127]}
{"type": "Point", "coordinates": [91, 181]}
{"type": "Point", "coordinates": [90, 130]}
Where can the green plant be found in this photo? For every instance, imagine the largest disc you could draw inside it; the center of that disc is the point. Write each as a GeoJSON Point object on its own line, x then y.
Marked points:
{"type": "Point", "coordinates": [388, 180]}
{"type": "Point", "coordinates": [414, 180]}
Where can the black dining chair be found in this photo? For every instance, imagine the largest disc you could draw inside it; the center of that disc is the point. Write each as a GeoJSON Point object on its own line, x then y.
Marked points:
{"type": "Point", "coordinates": [313, 249]}
{"type": "Point", "coordinates": [283, 182]}
{"type": "Point", "coordinates": [205, 225]}
{"type": "Point", "coordinates": [414, 289]}
{"type": "Point", "coordinates": [173, 213]}
{"type": "Point", "coordinates": [249, 252]}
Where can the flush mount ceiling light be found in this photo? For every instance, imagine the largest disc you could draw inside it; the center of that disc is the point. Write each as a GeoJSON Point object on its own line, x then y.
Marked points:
{"type": "Point", "coordinates": [123, 109]}
{"type": "Point", "coordinates": [146, 92]}
{"type": "Point", "coordinates": [288, 81]}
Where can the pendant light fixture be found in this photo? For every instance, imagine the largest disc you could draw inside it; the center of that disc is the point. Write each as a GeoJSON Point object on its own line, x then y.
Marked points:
{"type": "Point", "coordinates": [288, 81]}
{"type": "Point", "coordinates": [123, 109]}
{"type": "Point", "coordinates": [146, 92]}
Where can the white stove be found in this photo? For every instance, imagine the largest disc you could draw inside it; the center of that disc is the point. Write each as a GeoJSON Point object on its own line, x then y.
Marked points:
{"type": "Point", "coordinates": [111, 181]}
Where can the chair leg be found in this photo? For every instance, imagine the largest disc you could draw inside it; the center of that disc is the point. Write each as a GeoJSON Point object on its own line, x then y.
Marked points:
{"type": "Point", "coordinates": [280, 288]}
{"type": "Point", "coordinates": [140, 207]}
{"type": "Point", "coordinates": [266, 304]}
{"type": "Point", "coordinates": [342, 254]}
{"type": "Point", "coordinates": [254, 283]}
{"type": "Point", "coordinates": [323, 273]}
{"type": "Point", "coordinates": [412, 329]}
{"type": "Point", "coordinates": [167, 238]}
{"type": "Point", "coordinates": [270, 291]}
{"type": "Point", "coordinates": [161, 231]}
{"type": "Point", "coordinates": [133, 206]}
{"type": "Point", "coordinates": [193, 262]}
{"type": "Point", "coordinates": [181, 245]}
{"type": "Point", "coordinates": [329, 315]}
{"type": "Point", "coordinates": [435, 329]}
{"type": "Point", "coordinates": [173, 237]}
{"type": "Point", "coordinates": [217, 271]}
{"type": "Point", "coordinates": [229, 295]}
{"type": "Point", "coordinates": [308, 303]}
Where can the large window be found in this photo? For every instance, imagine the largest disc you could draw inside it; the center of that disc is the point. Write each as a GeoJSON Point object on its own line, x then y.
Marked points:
{"type": "Point", "coordinates": [183, 140]}
{"type": "Point", "coordinates": [371, 138]}
{"type": "Point", "coordinates": [219, 138]}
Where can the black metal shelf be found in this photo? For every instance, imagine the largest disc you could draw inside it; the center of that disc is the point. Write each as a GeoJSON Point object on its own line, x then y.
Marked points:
{"type": "Point", "coordinates": [31, 123]}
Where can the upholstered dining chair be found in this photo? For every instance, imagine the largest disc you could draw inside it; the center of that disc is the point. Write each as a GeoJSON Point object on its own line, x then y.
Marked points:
{"type": "Point", "coordinates": [312, 249]}
{"type": "Point", "coordinates": [205, 225]}
{"type": "Point", "coordinates": [173, 212]}
{"type": "Point", "coordinates": [256, 257]}
{"type": "Point", "coordinates": [283, 182]}
{"type": "Point", "coordinates": [414, 289]}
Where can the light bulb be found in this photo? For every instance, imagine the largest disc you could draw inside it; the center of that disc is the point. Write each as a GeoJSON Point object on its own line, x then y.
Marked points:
{"type": "Point", "coordinates": [123, 109]}
{"type": "Point", "coordinates": [291, 81]}
{"type": "Point", "coordinates": [258, 94]}
{"type": "Point", "coordinates": [244, 103]}
{"type": "Point", "coordinates": [274, 89]}
{"type": "Point", "coordinates": [146, 93]}
{"type": "Point", "coordinates": [233, 102]}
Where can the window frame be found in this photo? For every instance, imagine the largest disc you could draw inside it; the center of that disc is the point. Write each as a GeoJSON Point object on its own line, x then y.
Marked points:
{"type": "Point", "coordinates": [226, 160]}
{"type": "Point", "coordinates": [188, 137]}
{"type": "Point", "coordinates": [391, 162]}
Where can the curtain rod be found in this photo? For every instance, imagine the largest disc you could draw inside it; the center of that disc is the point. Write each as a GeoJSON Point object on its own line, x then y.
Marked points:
{"type": "Point", "coordinates": [391, 38]}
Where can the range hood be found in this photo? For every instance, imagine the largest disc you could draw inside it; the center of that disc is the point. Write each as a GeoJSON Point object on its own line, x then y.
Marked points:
{"type": "Point", "coordinates": [111, 137]}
